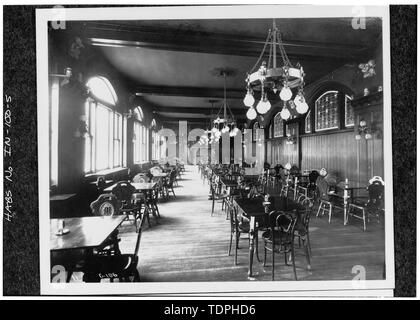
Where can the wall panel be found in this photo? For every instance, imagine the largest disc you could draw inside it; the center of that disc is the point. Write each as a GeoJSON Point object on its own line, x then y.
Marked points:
{"type": "Point", "coordinates": [336, 152]}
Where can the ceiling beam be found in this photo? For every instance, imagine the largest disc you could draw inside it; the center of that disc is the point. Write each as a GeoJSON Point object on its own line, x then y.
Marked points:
{"type": "Point", "coordinates": [188, 92]}
{"type": "Point", "coordinates": [124, 35]}
{"type": "Point", "coordinates": [199, 110]}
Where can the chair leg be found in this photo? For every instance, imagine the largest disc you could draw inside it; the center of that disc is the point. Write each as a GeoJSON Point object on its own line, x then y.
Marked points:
{"type": "Point", "coordinates": [256, 246]}
{"type": "Point", "coordinates": [69, 274]}
{"type": "Point", "coordinates": [212, 207]}
{"type": "Point", "coordinates": [319, 209]}
{"type": "Point", "coordinates": [329, 213]}
{"type": "Point", "coordinates": [136, 275]}
{"type": "Point", "coordinates": [237, 235]}
{"type": "Point", "coordinates": [272, 262]}
{"type": "Point", "coordinates": [293, 260]}
{"type": "Point", "coordinates": [364, 219]}
{"type": "Point", "coordinates": [230, 244]}
{"type": "Point", "coordinates": [265, 255]}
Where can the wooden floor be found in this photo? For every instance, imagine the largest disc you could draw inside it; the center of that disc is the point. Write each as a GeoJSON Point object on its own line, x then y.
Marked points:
{"type": "Point", "coordinates": [189, 244]}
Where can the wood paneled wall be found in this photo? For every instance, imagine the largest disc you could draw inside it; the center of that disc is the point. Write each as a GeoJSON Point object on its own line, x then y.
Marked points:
{"type": "Point", "coordinates": [337, 152]}
{"type": "Point", "coordinates": [282, 153]}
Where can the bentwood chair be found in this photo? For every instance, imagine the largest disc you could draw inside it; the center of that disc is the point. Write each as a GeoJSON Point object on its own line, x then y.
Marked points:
{"type": "Point", "coordinates": [217, 195]}
{"type": "Point", "coordinates": [141, 178]}
{"type": "Point", "coordinates": [279, 238]}
{"type": "Point", "coordinates": [237, 228]}
{"type": "Point", "coordinates": [326, 198]}
{"type": "Point", "coordinates": [107, 205]}
{"type": "Point", "coordinates": [306, 189]}
{"type": "Point", "coordinates": [128, 200]}
{"type": "Point", "coordinates": [363, 209]}
{"type": "Point", "coordinates": [302, 230]}
{"type": "Point", "coordinates": [121, 266]}
{"type": "Point", "coordinates": [169, 185]}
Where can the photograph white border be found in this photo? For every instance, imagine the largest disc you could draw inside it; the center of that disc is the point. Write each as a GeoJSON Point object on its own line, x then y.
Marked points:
{"type": "Point", "coordinates": [243, 288]}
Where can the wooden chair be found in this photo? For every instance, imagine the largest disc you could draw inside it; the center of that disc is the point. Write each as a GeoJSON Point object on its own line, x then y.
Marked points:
{"type": "Point", "coordinates": [306, 189]}
{"type": "Point", "coordinates": [325, 197]}
{"type": "Point", "coordinates": [217, 196]}
{"type": "Point", "coordinates": [141, 178]}
{"type": "Point", "coordinates": [128, 201]}
{"type": "Point", "coordinates": [107, 205]}
{"type": "Point", "coordinates": [169, 185]}
{"type": "Point", "coordinates": [367, 207]}
{"type": "Point", "coordinates": [122, 266]}
{"type": "Point", "coordinates": [238, 226]}
{"type": "Point", "coordinates": [302, 230]}
{"type": "Point", "coordinates": [279, 238]}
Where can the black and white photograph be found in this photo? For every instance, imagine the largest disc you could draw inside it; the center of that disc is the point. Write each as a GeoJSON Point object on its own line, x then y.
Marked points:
{"type": "Point", "coordinates": [212, 150]}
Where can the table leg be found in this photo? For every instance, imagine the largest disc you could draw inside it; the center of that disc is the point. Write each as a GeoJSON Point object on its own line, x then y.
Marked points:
{"type": "Point", "coordinates": [345, 205]}
{"type": "Point", "coordinates": [251, 244]}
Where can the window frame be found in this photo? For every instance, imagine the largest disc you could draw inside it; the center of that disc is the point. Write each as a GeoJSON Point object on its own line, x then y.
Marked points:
{"type": "Point", "coordinates": [280, 123]}
{"type": "Point", "coordinates": [316, 112]}
{"type": "Point", "coordinates": [116, 134]}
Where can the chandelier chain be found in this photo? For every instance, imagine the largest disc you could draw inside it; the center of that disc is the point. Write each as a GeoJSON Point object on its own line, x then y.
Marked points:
{"type": "Point", "coordinates": [262, 52]}
{"type": "Point", "coordinates": [283, 53]}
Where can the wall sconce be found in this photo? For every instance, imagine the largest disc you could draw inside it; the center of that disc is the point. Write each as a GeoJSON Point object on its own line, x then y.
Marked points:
{"type": "Point", "coordinates": [363, 129]}
{"type": "Point", "coordinates": [290, 139]}
{"type": "Point", "coordinates": [66, 76]}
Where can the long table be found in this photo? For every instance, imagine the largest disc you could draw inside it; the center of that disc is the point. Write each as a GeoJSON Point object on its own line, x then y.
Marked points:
{"type": "Point", "coordinates": [257, 213]}
{"type": "Point", "coordinates": [140, 186]}
{"type": "Point", "coordinates": [84, 233]}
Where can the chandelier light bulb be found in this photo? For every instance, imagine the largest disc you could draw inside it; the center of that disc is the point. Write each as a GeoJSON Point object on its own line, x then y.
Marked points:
{"type": "Point", "coordinates": [285, 113]}
{"type": "Point", "coordinates": [214, 130]}
{"type": "Point", "coordinates": [217, 134]}
{"type": "Point", "coordinates": [302, 107]}
{"type": "Point", "coordinates": [285, 93]}
{"type": "Point", "coordinates": [249, 99]}
{"type": "Point", "coordinates": [358, 137]}
{"type": "Point", "coordinates": [251, 114]}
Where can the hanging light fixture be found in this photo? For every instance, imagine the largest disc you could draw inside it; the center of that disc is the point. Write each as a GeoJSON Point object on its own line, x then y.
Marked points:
{"type": "Point", "coordinates": [275, 78]}
{"type": "Point", "coordinates": [227, 122]}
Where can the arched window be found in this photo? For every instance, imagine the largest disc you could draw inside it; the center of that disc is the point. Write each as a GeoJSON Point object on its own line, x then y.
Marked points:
{"type": "Point", "coordinates": [106, 128]}
{"type": "Point", "coordinates": [102, 89]}
{"type": "Point", "coordinates": [278, 126]}
{"type": "Point", "coordinates": [138, 114]}
{"type": "Point", "coordinates": [255, 131]}
{"type": "Point", "coordinates": [155, 141]}
{"type": "Point", "coordinates": [326, 111]}
{"type": "Point", "coordinates": [348, 112]}
{"type": "Point", "coordinates": [308, 125]}
{"type": "Point", "coordinates": [140, 138]}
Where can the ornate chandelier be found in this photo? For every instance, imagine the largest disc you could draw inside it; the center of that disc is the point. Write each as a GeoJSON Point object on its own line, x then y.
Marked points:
{"type": "Point", "coordinates": [274, 78]}
{"type": "Point", "coordinates": [224, 123]}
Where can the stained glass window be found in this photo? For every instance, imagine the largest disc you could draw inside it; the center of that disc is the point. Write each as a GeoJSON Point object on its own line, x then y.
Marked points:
{"type": "Point", "coordinates": [348, 112]}
{"type": "Point", "coordinates": [308, 128]}
{"type": "Point", "coordinates": [278, 126]}
{"type": "Point", "coordinates": [326, 111]}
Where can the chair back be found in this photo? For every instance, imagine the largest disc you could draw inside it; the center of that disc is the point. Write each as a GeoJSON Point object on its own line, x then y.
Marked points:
{"type": "Point", "coordinates": [284, 223]}
{"type": "Point", "coordinates": [124, 191]}
{"type": "Point", "coordinates": [100, 183]}
{"type": "Point", "coordinates": [105, 205]}
{"type": "Point", "coordinates": [156, 169]}
{"type": "Point", "coordinates": [141, 178]}
{"type": "Point", "coordinates": [376, 194]}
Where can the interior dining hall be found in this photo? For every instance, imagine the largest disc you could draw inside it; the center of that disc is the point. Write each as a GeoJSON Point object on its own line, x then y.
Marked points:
{"type": "Point", "coordinates": [208, 150]}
